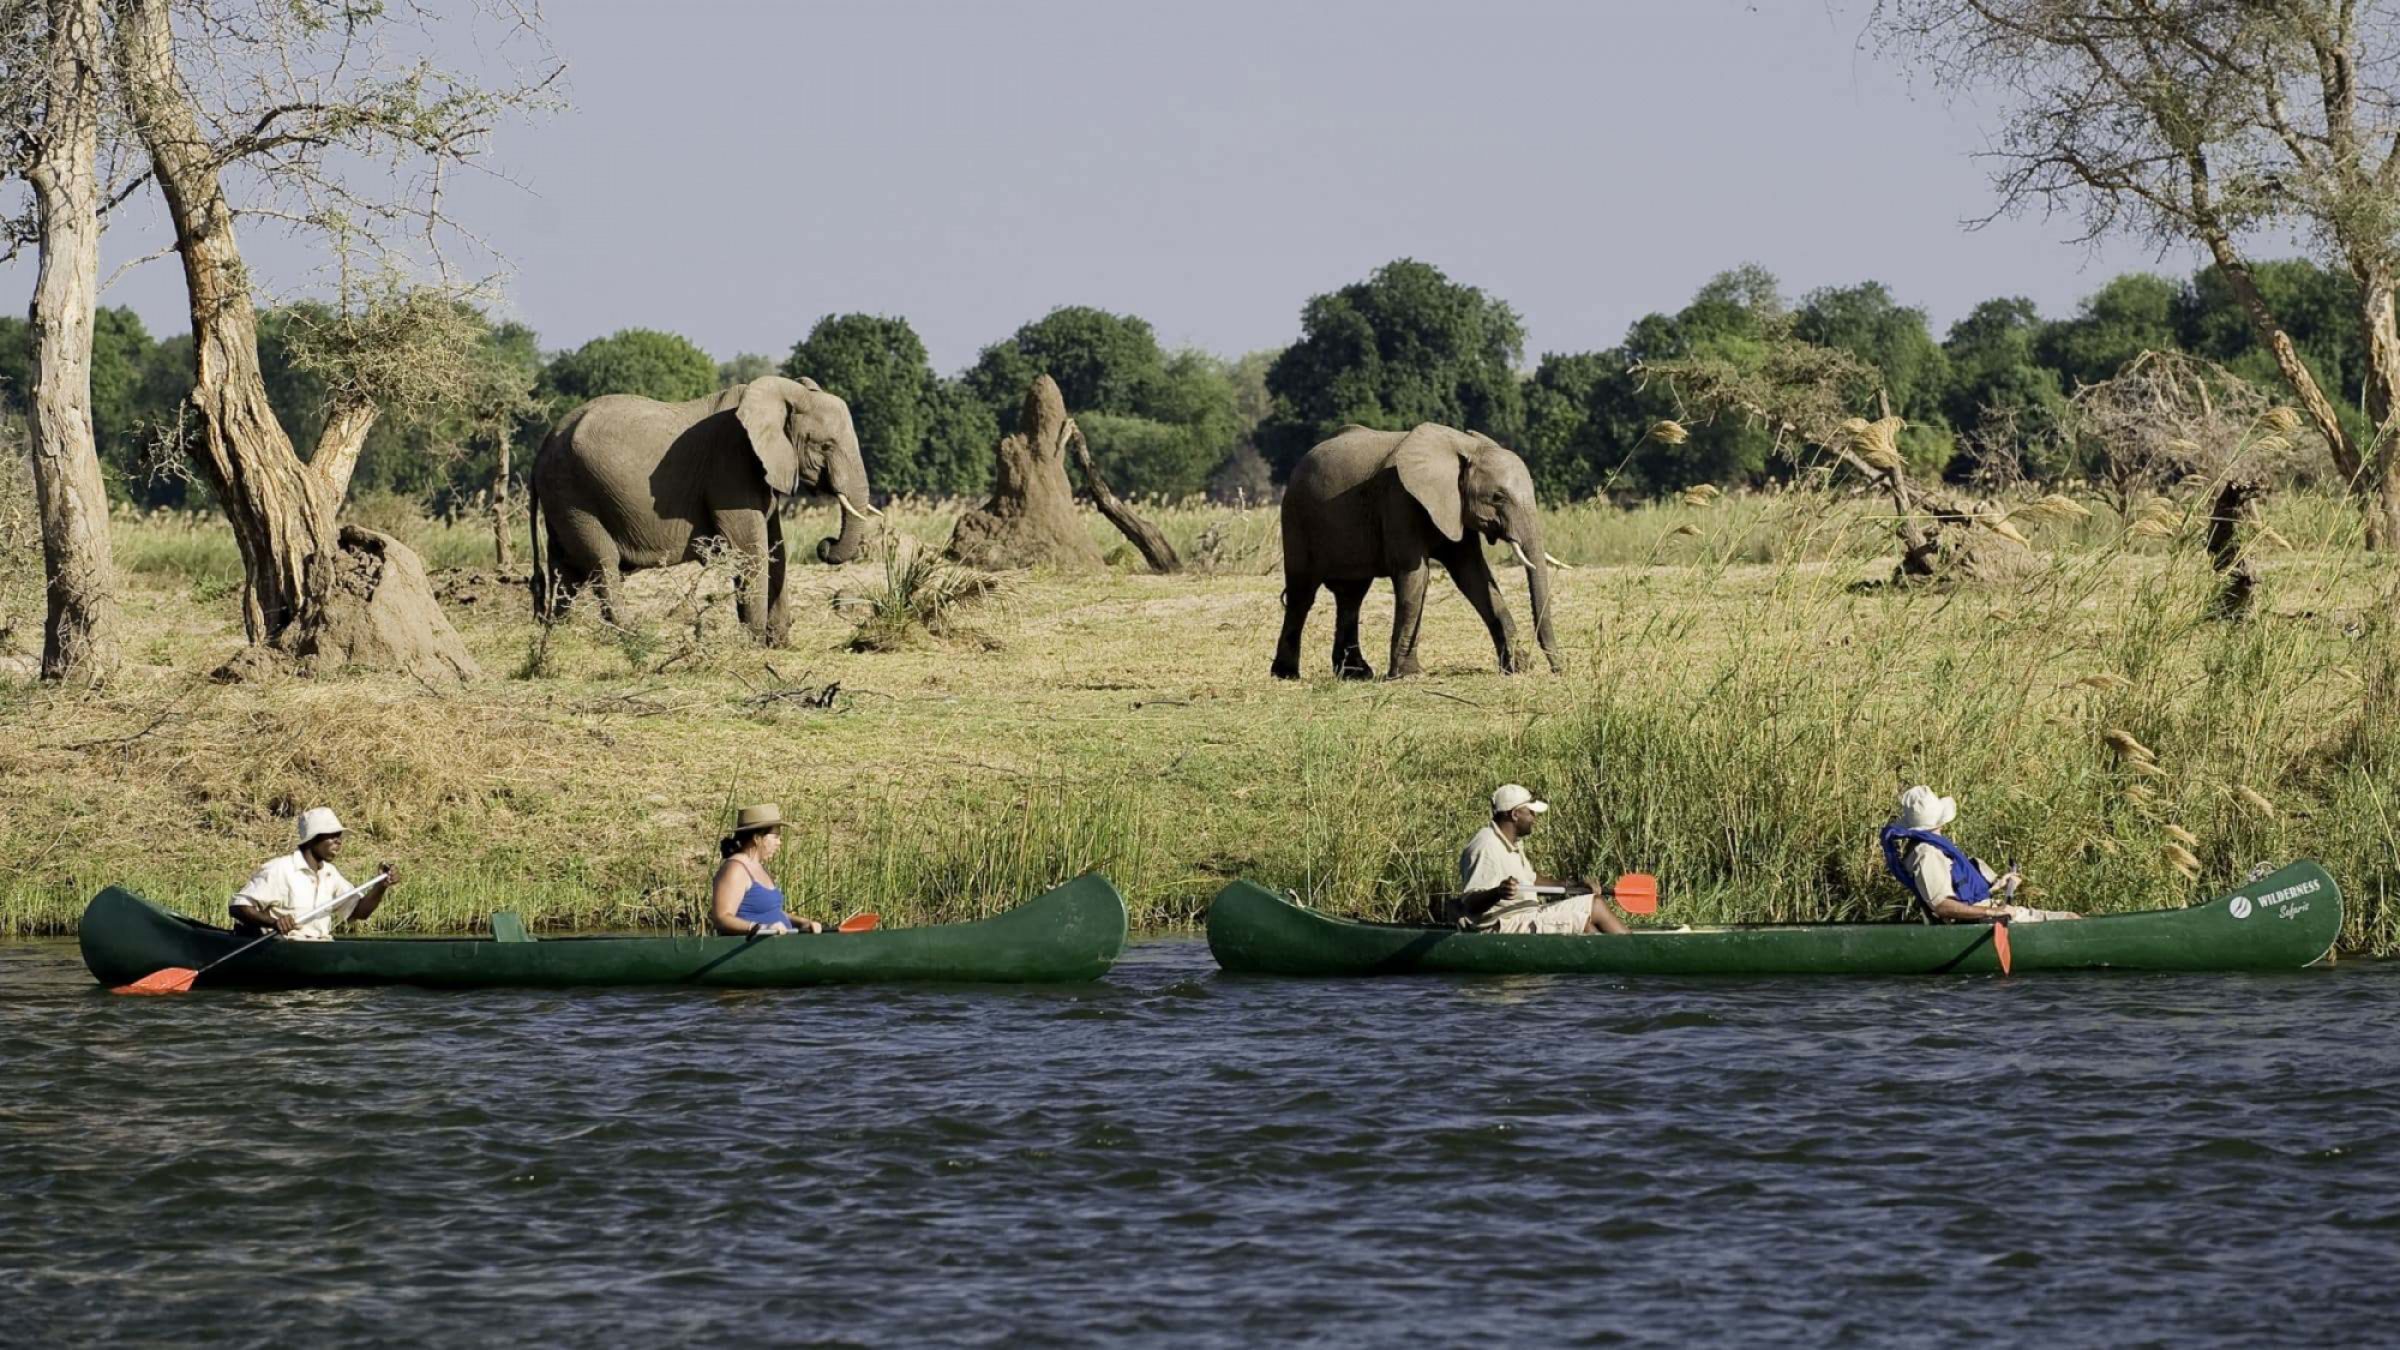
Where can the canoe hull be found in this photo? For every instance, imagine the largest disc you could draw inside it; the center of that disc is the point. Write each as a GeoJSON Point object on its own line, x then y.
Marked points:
{"type": "Point", "coordinates": [2283, 921]}
{"type": "Point", "coordinates": [1070, 934]}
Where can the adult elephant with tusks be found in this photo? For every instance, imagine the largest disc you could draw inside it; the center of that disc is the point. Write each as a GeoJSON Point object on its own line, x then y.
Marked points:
{"type": "Point", "coordinates": [1370, 504]}
{"type": "Point", "coordinates": [630, 482]}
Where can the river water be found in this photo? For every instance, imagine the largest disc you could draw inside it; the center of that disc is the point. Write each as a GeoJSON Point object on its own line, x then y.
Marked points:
{"type": "Point", "coordinates": [1176, 1156]}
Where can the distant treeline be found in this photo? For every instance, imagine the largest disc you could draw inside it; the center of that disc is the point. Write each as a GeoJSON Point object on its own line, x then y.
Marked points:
{"type": "Point", "coordinates": [1406, 345]}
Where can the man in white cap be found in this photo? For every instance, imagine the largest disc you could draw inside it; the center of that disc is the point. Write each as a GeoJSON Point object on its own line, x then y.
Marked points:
{"type": "Point", "coordinates": [287, 892]}
{"type": "Point", "coordinates": [1950, 886]}
{"type": "Point", "coordinates": [1496, 881]}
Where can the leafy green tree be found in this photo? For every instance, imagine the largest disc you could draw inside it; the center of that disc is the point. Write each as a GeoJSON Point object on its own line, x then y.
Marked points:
{"type": "Point", "coordinates": [1407, 345]}
{"type": "Point", "coordinates": [1865, 321]}
{"type": "Point", "coordinates": [2130, 315]}
{"type": "Point", "coordinates": [744, 368]}
{"type": "Point", "coordinates": [630, 361]}
{"type": "Point", "coordinates": [2001, 398]}
{"type": "Point", "coordinates": [2319, 310]}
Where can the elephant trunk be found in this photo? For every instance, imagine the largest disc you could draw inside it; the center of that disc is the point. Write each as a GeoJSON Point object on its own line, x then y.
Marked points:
{"type": "Point", "coordinates": [1526, 537]}
{"type": "Point", "coordinates": [846, 479]}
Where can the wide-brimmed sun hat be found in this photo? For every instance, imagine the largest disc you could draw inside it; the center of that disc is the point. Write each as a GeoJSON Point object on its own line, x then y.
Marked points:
{"type": "Point", "coordinates": [751, 819]}
{"type": "Point", "coordinates": [316, 822]}
{"type": "Point", "coordinates": [1510, 796]}
{"type": "Point", "coordinates": [1921, 808]}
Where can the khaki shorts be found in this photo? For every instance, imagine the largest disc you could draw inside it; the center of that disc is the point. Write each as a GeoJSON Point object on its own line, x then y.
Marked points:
{"type": "Point", "coordinates": [1571, 915]}
{"type": "Point", "coordinates": [2020, 914]}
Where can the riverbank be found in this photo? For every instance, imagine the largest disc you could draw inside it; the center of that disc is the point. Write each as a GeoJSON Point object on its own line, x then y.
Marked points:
{"type": "Point", "coordinates": [1742, 699]}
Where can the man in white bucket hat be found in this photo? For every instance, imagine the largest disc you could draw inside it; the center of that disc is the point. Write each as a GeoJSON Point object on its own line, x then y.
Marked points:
{"type": "Point", "coordinates": [1948, 885]}
{"type": "Point", "coordinates": [287, 892]}
{"type": "Point", "coordinates": [1496, 882]}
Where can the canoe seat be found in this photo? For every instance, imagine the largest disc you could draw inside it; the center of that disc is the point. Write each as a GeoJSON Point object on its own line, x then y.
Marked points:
{"type": "Point", "coordinates": [507, 927]}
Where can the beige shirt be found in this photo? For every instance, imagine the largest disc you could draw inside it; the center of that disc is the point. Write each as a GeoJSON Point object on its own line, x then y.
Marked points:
{"type": "Point", "coordinates": [1489, 860]}
{"type": "Point", "coordinates": [290, 887]}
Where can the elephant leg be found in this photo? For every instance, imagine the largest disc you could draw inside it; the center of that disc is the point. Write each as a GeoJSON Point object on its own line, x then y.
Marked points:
{"type": "Point", "coordinates": [1299, 595]}
{"type": "Point", "coordinates": [1348, 661]}
{"type": "Point", "coordinates": [603, 581]}
{"type": "Point", "coordinates": [779, 617]}
{"type": "Point", "coordinates": [746, 533]}
{"type": "Point", "coordinates": [1473, 574]}
{"type": "Point", "coordinates": [1408, 615]}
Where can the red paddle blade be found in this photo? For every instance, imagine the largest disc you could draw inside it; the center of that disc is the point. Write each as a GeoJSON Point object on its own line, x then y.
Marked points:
{"type": "Point", "coordinates": [859, 923]}
{"type": "Point", "coordinates": [1636, 893]}
{"type": "Point", "coordinates": [172, 980]}
{"type": "Point", "coordinates": [2000, 944]}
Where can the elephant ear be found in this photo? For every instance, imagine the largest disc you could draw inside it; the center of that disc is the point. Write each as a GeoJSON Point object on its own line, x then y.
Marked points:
{"type": "Point", "coordinates": [766, 419]}
{"type": "Point", "coordinates": [1428, 461]}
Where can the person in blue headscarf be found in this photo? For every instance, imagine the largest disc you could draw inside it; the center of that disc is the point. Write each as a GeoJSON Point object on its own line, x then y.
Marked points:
{"type": "Point", "coordinates": [1948, 885]}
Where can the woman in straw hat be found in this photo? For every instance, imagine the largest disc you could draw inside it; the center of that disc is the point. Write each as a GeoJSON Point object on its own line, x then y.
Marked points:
{"type": "Point", "coordinates": [743, 901]}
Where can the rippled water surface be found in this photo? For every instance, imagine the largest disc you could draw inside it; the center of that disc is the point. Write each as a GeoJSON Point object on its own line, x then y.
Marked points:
{"type": "Point", "coordinates": [1178, 1156]}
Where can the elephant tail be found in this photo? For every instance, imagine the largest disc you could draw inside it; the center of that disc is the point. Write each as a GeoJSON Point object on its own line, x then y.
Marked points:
{"type": "Point", "coordinates": [541, 550]}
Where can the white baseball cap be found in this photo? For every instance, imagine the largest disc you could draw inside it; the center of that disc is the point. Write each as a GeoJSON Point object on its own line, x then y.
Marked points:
{"type": "Point", "coordinates": [1922, 809]}
{"type": "Point", "coordinates": [1511, 796]}
{"type": "Point", "coordinates": [317, 821]}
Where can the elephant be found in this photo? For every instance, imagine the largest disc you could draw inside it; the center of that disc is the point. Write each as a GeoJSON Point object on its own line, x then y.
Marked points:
{"type": "Point", "coordinates": [630, 482]}
{"type": "Point", "coordinates": [1367, 504]}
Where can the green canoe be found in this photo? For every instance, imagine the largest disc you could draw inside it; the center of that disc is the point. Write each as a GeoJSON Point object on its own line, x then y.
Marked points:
{"type": "Point", "coordinates": [2282, 921]}
{"type": "Point", "coordinates": [1072, 933]}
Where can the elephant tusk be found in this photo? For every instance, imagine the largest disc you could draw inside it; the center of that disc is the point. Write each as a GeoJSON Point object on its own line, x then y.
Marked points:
{"type": "Point", "coordinates": [1556, 561]}
{"type": "Point", "coordinates": [853, 510]}
{"type": "Point", "coordinates": [1522, 560]}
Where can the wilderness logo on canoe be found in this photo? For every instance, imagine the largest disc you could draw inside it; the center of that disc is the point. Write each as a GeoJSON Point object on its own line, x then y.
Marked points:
{"type": "Point", "coordinates": [1070, 934]}
{"type": "Point", "coordinates": [2282, 921]}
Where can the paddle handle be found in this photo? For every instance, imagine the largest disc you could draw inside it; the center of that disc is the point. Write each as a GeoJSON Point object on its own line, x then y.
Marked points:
{"type": "Point", "coordinates": [319, 912]}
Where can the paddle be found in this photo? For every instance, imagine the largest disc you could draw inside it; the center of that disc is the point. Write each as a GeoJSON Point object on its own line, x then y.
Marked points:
{"type": "Point", "coordinates": [2000, 943]}
{"type": "Point", "coordinates": [1634, 892]}
{"type": "Point", "coordinates": [177, 980]}
{"type": "Point", "coordinates": [858, 923]}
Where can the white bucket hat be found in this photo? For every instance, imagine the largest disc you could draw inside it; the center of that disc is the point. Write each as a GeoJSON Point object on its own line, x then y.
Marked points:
{"type": "Point", "coordinates": [1511, 796]}
{"type": "Point", "coordinates": [1922, 809]}
{"type": "Point", "coordinates": [317, 821]}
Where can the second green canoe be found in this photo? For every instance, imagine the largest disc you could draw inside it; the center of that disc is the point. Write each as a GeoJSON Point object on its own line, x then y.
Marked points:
{"type": "Point", "coordinates": [1073, 933]}
{"type": "Point", "coordinates": [2281, 921]}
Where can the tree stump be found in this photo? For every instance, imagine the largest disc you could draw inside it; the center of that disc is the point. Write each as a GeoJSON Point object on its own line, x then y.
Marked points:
{"type": "Point", "coordinates": [379, 614]}
{"type": "Point", "coordinates": [1031, 519]}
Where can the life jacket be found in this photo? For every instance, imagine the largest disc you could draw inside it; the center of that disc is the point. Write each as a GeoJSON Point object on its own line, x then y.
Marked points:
{"type": "Point", "coordinates": [1966, 879]}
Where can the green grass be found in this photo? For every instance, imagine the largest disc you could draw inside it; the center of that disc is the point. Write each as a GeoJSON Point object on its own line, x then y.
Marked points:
{"type": "Point", "coordinates": [1742, 703]}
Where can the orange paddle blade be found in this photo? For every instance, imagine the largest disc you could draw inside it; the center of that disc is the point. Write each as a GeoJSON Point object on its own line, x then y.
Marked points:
{"type": "Point", "coordinates": [1636, 893]}
{"type": "Point", "coordinates": [2000, 944]}
{"type": "Point", "coordinates": [172, 980]}
{"type": "Point", "coordinates": [859, 923]}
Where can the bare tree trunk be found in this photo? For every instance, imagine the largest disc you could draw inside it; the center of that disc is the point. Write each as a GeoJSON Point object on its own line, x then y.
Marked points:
{"type": "Point", "coordinates": [282, 511]}
{"type": "Point", "coordinates": [78, 638]}
{"type": "Point", "coordinates": [1154, 547]}
{"type": "Point", "coordinates": [2378, 479]}
{"type": "Point", "coordinates": [2320, 410]}
{"type": "Point", "coordinates": [503, 544]}
{"type": "Point", "coordinates": [2236, 505]}
{"type": "Point", "coordinates": [1031, 518]}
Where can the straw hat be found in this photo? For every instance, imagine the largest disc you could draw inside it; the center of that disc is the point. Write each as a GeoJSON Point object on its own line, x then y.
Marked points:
{"type": "Point", "coordinates": [766, 816]}
{"type": "Point", "coordinates": [317, 822]}
{"type": "Point", "coordinates": [1922, 809]}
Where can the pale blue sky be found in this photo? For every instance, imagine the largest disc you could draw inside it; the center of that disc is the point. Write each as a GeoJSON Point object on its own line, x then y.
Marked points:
{"type": "Point", "coordinates": [732, 171]}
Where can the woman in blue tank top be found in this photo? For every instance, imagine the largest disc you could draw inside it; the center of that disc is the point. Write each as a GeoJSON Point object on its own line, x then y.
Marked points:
{"type": "Point", "coordinates": [743, 901]}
